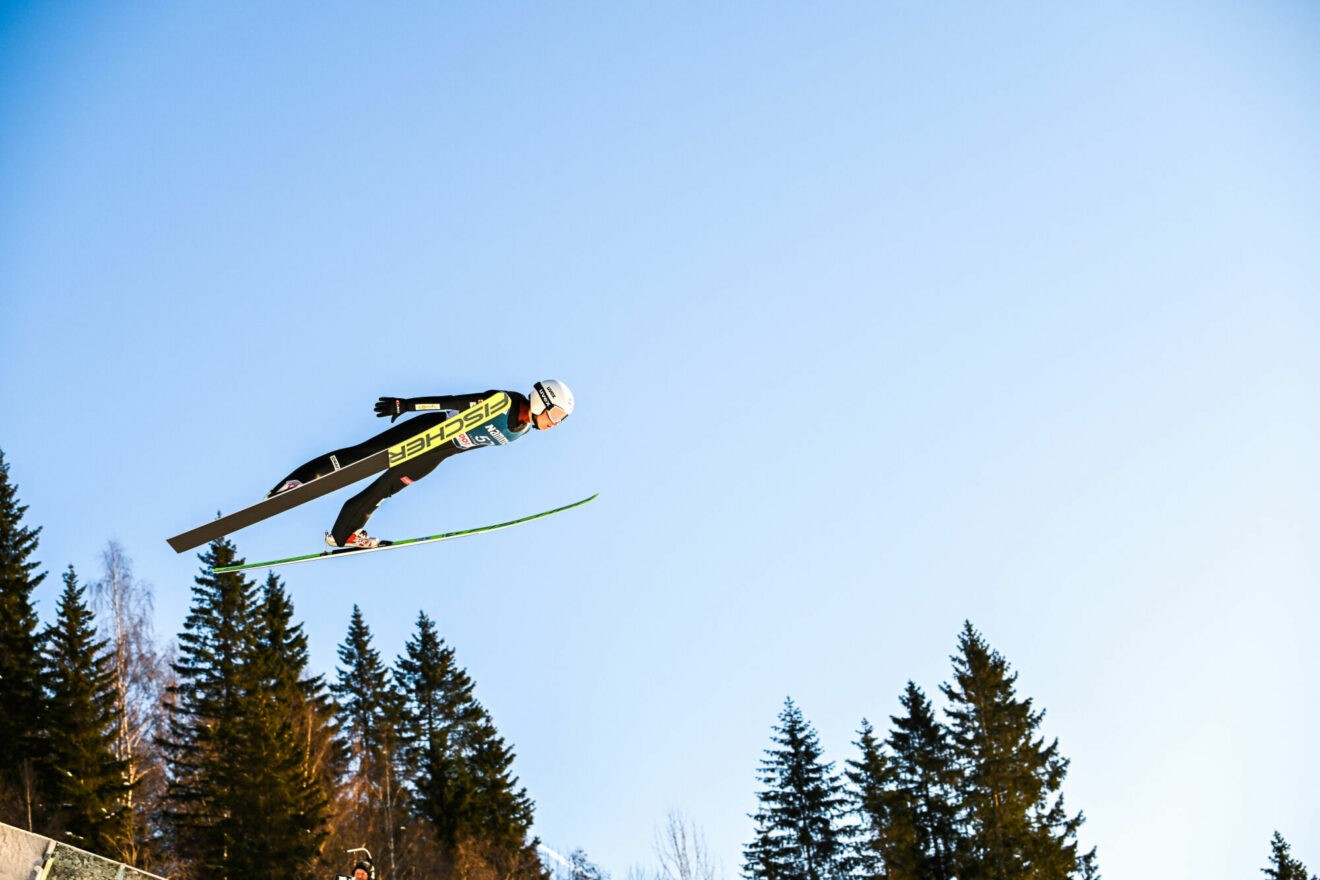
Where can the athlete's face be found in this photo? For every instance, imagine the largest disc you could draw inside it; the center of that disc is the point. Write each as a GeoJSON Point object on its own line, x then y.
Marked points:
{"type": "Point", "coordinates": [360, 874]}
{"type": "Point", "coordinates": [546, 420]}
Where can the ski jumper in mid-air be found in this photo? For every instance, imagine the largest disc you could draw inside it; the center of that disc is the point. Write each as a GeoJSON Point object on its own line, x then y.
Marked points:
{"type": "Point", "coordinates": [549, 404]}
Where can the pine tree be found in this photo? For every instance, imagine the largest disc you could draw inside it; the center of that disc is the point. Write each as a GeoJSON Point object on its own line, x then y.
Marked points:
{"type": "Point", "coordinates": [925, 780]}
{"type": "Point", "coordinates": [369, 712]}
{"type": "Point", "coordinates": [501, 812]}
{"type": "Point", "coordinates": [211, 774]}
{"type": "Point", "coordinates": [84, 777]}
{"type": "Point", "coordinates": [458, 766]}
{"type": "Point", "coordinates": [246, 727]}
{"type": "Point", "coordinates": [285, 658]}
{"type": "Point", "coordinates": [438, 708]}
{"type": "Point", "coordinates": [1282, 865]}
{"type": "Point", "coordinates": [583, 868]}
{"type": "Point", "coordinates": [873, 802]}
{"type": "Point", "coordinates": [289, 726]}
{"type": "Point", "coordinates": [1010, 802]}
{"type": "Point", "coordinates": [456, 763]}
{"type": "Point", "coordinates": [798, 824]}
{"type": "Point", "coordinates": [20, 661]}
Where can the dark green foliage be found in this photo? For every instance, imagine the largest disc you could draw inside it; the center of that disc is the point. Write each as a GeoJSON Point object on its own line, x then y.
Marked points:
{"type": "Point", "coordinates": [364, 690]}
{"type": "Point", "coordinates": [875, 803]}
{"type": "Point", "coordinates": [457, 765]}
{"type": "Point", "coordinates": [209, 777]}
{"type": "Point", "coordinates": [438, 711]}
{"type": "Point", "coordinates": [288, 731]}
{"type": "Point", "coordinates": [256, 779]}
{"type": "Point", "coordinates": [1008, 800]}
{"type": "Point", "coordinates": [582, 868]}
{"type": "Point", "coordinates": [438, 715]}
{"type": "Point", "coordinates": [244, 799]}
{"type": "Point", "coordinates": [84, 779]}
{"type": "Point", "coordinates": [924, 782]}
{"type": "Point", "coordinates": [458, 768]}
{"type": "Point", "coordinates": [798, 824]}
{"type": "Point", "coordinates": [976, 798]}
{"type": "Point", "coordinates": [902, 793]}
{"type": "Point", "coordinates": [20, 660]}
{"type": "Point", "coordinates": [500, 813]}
{"type": "Point", "coordinates": [1282, 865]}
{"type": "Point", "coordinates": [281, 661]}
{"type": "Point", "coordinates": [369, 713]}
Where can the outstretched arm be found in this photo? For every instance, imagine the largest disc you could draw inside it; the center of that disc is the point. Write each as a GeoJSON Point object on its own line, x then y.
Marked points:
{"type": "Point", "coordinates": [397, 406]}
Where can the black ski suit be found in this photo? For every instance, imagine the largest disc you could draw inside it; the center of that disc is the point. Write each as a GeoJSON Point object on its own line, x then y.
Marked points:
{"type": "Point", "coordinates": [358, 509]}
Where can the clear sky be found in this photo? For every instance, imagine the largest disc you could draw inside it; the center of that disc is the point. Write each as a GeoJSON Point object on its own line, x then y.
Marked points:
{"type": "Point", "coordinates": [880, 317]}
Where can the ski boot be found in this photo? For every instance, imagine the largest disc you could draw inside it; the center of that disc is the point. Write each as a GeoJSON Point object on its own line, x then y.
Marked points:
{"type": "Point", "coordinates": [359, 540]}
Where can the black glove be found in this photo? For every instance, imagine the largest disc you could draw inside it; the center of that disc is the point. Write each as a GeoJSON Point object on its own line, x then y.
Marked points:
{"type": "Point", "coordinates": [392, 407]}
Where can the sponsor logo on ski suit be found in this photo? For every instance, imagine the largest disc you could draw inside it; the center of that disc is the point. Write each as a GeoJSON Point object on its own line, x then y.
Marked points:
{"type": "Point", "coordinates": [469, 421]}
{"type": "Point", "coordinates": [496, 432]}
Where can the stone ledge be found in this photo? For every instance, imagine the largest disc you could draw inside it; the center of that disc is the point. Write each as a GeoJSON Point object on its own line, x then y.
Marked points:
{"type": "Point", "coordinates": [28, 856]}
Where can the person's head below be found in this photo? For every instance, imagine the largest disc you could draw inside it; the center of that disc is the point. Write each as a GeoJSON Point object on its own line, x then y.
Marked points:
{"type": "Point", "coordinates": [362, 871]}
{"type": "Point", "coordinates": [551, 402]}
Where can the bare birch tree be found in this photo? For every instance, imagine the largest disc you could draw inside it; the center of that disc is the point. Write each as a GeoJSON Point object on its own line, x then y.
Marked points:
{"type": "Point", "coordinates": [124, 607]}
{"type": "Point", "coordinates": [681, 848]}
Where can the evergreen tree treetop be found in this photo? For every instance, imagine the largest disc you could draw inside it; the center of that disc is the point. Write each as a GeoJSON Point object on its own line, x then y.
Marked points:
{"type": "Point", "coordinates": [20, 654]}
{"type": "Point", "coordinates": [370, 713]}
{"type": "Point", "coordinates": [18, 579]}
{"type": "Point", "coordinates": [86, 779]}
{"type": "Point", "coordinates": [365, 691]}
{"type": "Point", "coordinates": [457, 764]}
{"type": "Point", "coordinates": [247, 796]}
{"type": "Point", "coordinates": [1282, 865]}
{"type": "Point", "coordinates": [219, 635]}
{"type": "Point", "coordinates": [798, 823]}
{"type": "Point", "coordinates": [871, 776]}
{"type": "Point", "coordinates": [286, 727]}
{"type": "Point", "coordinates": [1009, 791]}
{"type": "Point", "coordinates": [17, 541]}
{"type": "Point", "coordinates": [439, 692]}
{"type": "Point", "coordinates": [283, 654]}
{"type": "Point", "coordinates": [206, 801]}
{"type": "Point", "coordinates": [582, 868]}
{"type": "Point", "coordinates": [911, 817]}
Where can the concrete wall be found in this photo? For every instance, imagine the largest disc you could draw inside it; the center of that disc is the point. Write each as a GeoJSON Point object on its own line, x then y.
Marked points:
{"type": "Point", "coordinates": [21, 853]}
{"type": "Point", "coordinates": [27, 856]}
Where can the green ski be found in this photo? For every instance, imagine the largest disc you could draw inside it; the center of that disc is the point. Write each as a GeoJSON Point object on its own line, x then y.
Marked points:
{"type": "Point", "coordinates": [408, 542]}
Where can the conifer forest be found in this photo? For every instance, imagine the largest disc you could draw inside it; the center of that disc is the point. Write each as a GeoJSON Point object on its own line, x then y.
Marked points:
{"type": "Point", "coordinates": [218, 752]}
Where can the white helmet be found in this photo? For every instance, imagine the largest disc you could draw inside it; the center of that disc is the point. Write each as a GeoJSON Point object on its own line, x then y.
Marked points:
{"type": "Point", "coordinates": [553, 398]}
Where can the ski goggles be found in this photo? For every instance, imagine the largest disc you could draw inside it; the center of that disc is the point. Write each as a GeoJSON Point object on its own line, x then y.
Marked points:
{"type": "Point", "coordinates": [553, 411]}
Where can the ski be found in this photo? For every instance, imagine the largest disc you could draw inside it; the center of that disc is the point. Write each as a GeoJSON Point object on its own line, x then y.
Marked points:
{"type": "Point", "coordinates": [468, 420]}
{"type": "Point", "coordinates": [408, 542]}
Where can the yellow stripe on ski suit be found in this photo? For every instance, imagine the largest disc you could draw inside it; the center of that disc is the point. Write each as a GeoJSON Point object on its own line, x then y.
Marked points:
{"type": "Point", "coordinates": [450, 428]}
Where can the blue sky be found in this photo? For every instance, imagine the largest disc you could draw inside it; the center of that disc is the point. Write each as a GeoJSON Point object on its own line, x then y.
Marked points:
{"type": "Point", "coordinates": [880, 318]}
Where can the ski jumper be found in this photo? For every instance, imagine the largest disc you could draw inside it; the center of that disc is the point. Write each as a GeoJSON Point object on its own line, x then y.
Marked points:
{"type": "Point", "coordinates": [499, 431]}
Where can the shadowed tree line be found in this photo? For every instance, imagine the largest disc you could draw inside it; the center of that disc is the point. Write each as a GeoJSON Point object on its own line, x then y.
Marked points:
{"type": "Point", "coordinates": [225, 756]}
{"type": "Point", "coordinates": [975, 795]}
